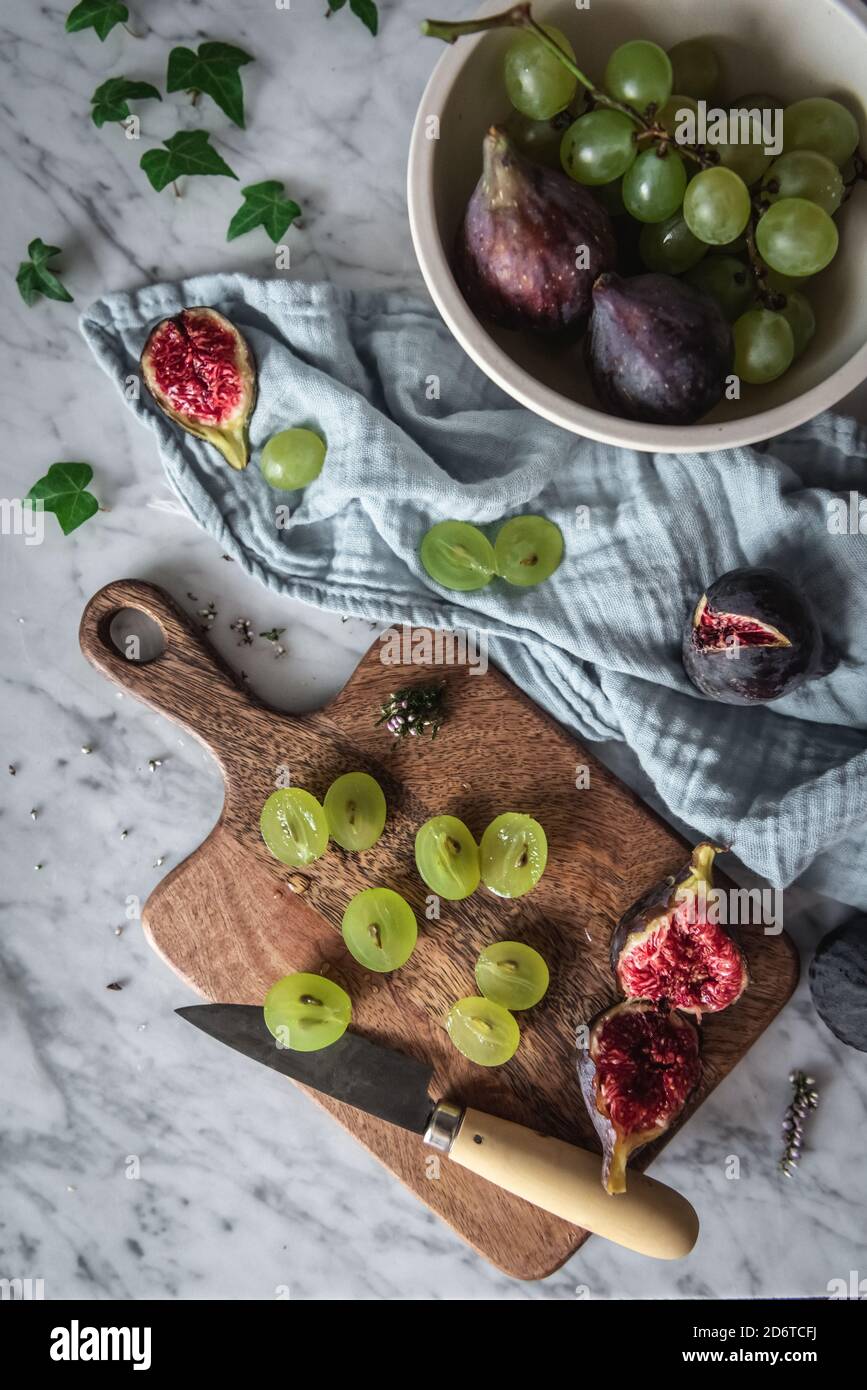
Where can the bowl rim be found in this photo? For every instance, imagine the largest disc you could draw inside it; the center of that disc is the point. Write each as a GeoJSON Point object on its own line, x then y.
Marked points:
{"type": "Point", "coordinates": [520, 384]}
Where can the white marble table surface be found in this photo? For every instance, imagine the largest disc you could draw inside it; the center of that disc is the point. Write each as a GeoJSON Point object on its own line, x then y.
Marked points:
{"type": "Point", "coordinates": [246, 1190]}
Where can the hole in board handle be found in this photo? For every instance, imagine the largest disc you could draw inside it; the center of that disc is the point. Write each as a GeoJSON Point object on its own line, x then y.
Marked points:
{"type": "Point", "coordinates": [136, 637]}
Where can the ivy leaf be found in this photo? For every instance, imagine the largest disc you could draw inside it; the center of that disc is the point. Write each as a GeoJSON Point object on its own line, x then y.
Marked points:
{"type": "Point", "coordinates": [214, 71]}
{"type": "Point", "coordinates": [101, 15]}
{"type": "Point", "coordinates": [365, 10]}
{"type": "Point", "coordinates": [62, 491]}
{"type": "Point", "coordinates": [35, 279]}
{"type": "Point", "coordinates": [265, 205]}
{"type": "Point", "coordinates": [367, 13]}
{"type": "Point", "coordinates": [187, 152]}
{"type": "Point", "coordinates": [109, 101]}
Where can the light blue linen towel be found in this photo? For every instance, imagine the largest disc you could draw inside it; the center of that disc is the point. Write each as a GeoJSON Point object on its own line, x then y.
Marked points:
{"type": "Point", "coordinates": [416, 434]}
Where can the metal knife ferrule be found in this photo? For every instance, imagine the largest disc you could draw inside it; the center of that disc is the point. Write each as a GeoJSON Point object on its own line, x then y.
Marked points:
{"type": "Point", "coordinates": [443, 1125]}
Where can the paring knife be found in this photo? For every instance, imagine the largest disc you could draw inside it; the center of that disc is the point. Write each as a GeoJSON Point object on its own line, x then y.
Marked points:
{"type": "Point", "coordinates": [650, 1218]}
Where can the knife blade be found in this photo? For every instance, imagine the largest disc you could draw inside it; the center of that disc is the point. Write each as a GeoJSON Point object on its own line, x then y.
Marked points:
{"type": "Point", "coordinates": [558, 1177]}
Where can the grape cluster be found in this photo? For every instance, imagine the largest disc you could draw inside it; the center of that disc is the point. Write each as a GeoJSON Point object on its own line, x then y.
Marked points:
{"type": "Point", "coordinates": [748, 230]}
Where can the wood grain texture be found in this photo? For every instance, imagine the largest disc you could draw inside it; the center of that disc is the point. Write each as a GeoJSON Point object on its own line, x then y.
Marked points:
{"type": "Point", "coordinates": [228, 923]}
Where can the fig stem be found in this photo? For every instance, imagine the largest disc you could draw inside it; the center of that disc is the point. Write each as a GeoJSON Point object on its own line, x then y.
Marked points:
{"type": "Point", "coordinates": [520, 17]}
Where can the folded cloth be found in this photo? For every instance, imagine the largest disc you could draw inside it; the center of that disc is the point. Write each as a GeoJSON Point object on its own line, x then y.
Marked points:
{"type": "Point", "coordinates": [416, 434]}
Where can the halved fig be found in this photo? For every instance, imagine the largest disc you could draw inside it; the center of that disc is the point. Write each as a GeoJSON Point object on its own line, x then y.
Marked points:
{"type": "Point", "coordinates": [639, 1068]}
{"type": "Point", "coordinates": [200, 371]}
{"type": "Point", "coordinates": [752, 637]}
{"type": "Point", "coordinates": [670, 946]}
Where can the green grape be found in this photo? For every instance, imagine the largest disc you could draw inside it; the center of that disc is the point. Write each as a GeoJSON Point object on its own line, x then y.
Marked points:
{"type": "Point", "coordinates": [458, 555]}
{"type": "Point", "coordinates": [716, 206]}
{"type": "Point", "coordinates": [538, 84]}
{"type": "Point", "coordinates": [512, 974]}
{"type": "Point", "coordinates": [527, 550]}
{"type": "Point", "coordinates": [748, 161]}
{"type": "Point", "coordinates": [539, 140]}
{"type": "Point", "coordinates": [292, 459]}
{"type": "Point", "coordinates": [598, 147]}
{"type": "Point", "coordinates": [784, 283]}
{"type": "Point", "coordinates": [483, 1031]}
{"type": "Point", "coordinates": [653, 188]}
{"type": "Point", "coordinates": [799, 315]}
{"type": "Point", "coordinates": [307, 1012]}
{"type": "Point", "coordinates": [758, 101]}
{"type": "Point", "coordinates": [823, 125]}
{"type": "Point", "coordinates": [514, 852]}
{"type": "Point", "coordinates": [764, 346]}
{"type": "Point", "coordinates": [447, 857]}
{"type": "Point", "coordinates": [610, 195]}
{"type": "Point", "coordinates": [730, 248]}
{"type": "Point", "coordinates": [804, 174]}
{"type": "Point", "coordinates": [668, 115]}
{"type": "Point", "coordinates": [380, 929]}
{"type": "Point", "coordinates": [726, 280]}
{"type": "Point", "coordinates": [670, 246]}
{"type": "Point", "coordinates": [355, 807]}
{"type": "Point", "coordinates": [695, 67]}
{"type": "Point", "coordinates": [796, 237]}
{"type": "Point", "coordinates": [638, 73]}
{"type": "Point", "coordinates": [294, 827]}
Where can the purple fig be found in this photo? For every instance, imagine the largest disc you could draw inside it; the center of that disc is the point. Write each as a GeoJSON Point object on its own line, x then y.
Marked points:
{"type": "Point", "coordinates": [658, 349]}
{"type": "Point", "coordinates": [531, 244]}
{"type": "Point", "coordinates": [752, 637]}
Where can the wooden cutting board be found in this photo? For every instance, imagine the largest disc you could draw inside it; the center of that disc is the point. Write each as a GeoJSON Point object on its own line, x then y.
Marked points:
{"type": "Point", "coordinates": [228, 923]}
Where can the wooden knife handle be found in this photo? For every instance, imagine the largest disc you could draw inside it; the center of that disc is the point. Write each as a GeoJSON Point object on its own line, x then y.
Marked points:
{"type": "Point", "coordinates": [649, 1218]}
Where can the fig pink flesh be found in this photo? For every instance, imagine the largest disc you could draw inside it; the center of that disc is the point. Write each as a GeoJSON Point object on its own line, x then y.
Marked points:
{"type": "Point", "coordinates": [194, 363]}
{"type": "Point", "coordinates": [694, 964]}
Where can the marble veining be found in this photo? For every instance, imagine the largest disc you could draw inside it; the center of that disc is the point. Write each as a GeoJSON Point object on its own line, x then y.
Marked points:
{"type": "Point", "coordinates": [134, 1162]}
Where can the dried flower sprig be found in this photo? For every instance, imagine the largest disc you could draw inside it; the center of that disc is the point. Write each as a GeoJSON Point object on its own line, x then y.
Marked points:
{"type": "Point", "coordinates": [805, 1098]}
{"type": "Point", "coordinates": [414, 710]}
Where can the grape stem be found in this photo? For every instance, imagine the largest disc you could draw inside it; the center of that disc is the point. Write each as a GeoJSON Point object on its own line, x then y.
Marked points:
{"type": "Point", "coordinates": [768, 298]}
{"type": "Point", "coordinates": [520, 17]}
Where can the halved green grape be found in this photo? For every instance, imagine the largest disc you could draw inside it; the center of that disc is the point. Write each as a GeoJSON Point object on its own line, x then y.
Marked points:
{"type": "Point", "coordinates": [537, 82]}
{"type": "Point", "coordinates": [458, 555]}
{"type": "Point", "coordinates": [539, 140]}
{"type": "Point", "coordinates": [764, 346]}
{"type": "Point", "coordinates": [380, 929]}
{"type": "Point", "coordinates": [527, 550]}
{"type": "Point", "coordinates": [307, 1012]}
{"type": "Point", "coordinates": [695, 67]}
{"type": "Point", "coordinates": [823, 125]}
{"type": "Point", "coordinates": [798, 313]}
{"type": "Point", "coordinates": [598, 147]}
{"type": "Point", "coordinates": [514, 852]}
{"type": "Point", "coordinates": [447, 857]}
{"type": "Point", "coordinates": [804, 174]}
{"type": "Point", "coordinates": [294, 826]}
{"type": "Point", "coordinates": [669, 246]}
{"type": "Point", "coordinates": [670, 115]}
{"type": "Point", "coordinates": [483, 1031]}
{"type": "Point", "coordinates": [796, 237]}
{"type": "Point", "coordinates": [727, 280]}
{"type": "Point", "coordinates": [653, 188]}
{"type": "Point", "coordinates": [355, 807]}
{"type": "Point", "coordinates": [292, 459]}
{"type": "Point", "coordinates": [512, 974]}
{"type": "Point", "coordinates": [639, 72]}
{"type": "Point", "coordinates": [716, 206]}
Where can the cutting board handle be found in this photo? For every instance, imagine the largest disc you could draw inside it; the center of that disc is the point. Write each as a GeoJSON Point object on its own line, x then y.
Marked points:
{"type": "Point", "coordinates": [189, 682]}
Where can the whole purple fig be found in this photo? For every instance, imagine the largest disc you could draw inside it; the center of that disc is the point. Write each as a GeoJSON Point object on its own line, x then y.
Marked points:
{"type": "Point", "coordinates": [753, 637]}
{"type": "Point", "coordinates": [531, 244]}
{"type": "Point", "coordinates": [658, 349]}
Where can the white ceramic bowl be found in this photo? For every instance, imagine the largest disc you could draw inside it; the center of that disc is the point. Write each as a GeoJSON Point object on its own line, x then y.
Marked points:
{"type": "Point", "coordinates": [793, 48]}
